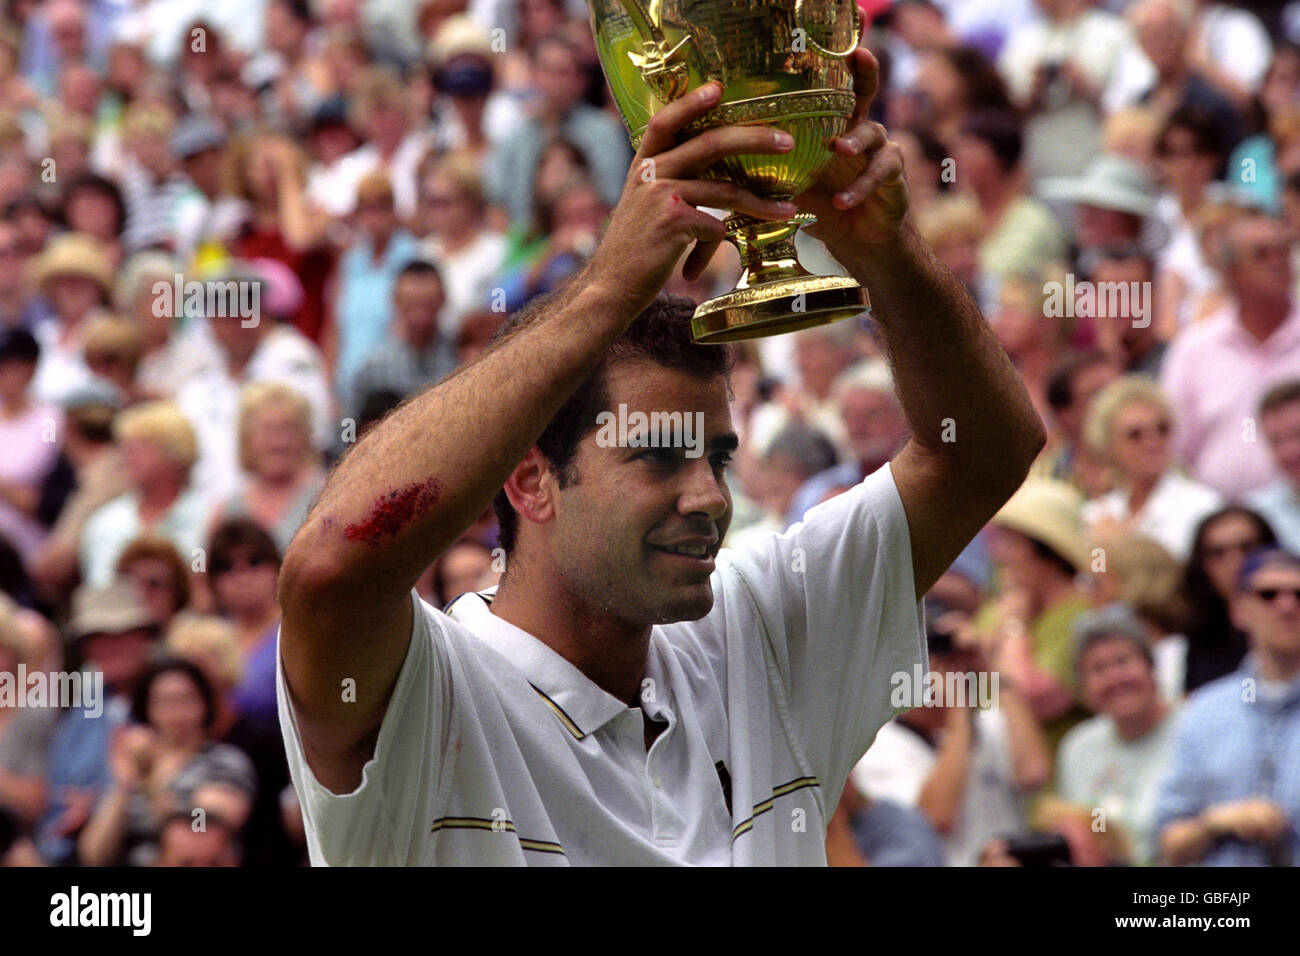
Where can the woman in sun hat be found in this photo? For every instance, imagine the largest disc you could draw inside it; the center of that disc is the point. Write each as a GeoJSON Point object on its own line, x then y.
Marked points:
{"type": "Point", "coordinates": [75, 274]}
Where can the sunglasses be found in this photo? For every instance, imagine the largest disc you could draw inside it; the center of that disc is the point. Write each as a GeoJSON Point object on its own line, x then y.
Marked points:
{"type": "Point", "coordinates": [1138, 432]}
{"type": "Point", "coordinates": [1271, 594]}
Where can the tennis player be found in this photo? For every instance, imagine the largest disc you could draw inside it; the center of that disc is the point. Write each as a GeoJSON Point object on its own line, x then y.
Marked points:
{"type": "Point", "coordinates": [631, 694]}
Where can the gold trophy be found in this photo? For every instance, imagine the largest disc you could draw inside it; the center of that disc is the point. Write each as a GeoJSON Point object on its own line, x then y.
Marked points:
{"type": "Point", "coordinates": [782, 64]}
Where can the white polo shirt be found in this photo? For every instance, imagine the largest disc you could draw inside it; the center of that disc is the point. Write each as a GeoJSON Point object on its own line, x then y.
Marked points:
{"type": "Point", "coordinates": [496, 750]}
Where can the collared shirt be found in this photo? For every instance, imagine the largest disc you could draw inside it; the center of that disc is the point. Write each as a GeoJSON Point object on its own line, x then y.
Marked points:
{"type": "Point", "coordinates": [1170, 514]}
{"type": "Point", "coordinates": [1237, 739]}
{"type": "Point", "coordinates": [1280, 505]}
{"type": "Point", "coordinates": [1215, 374]}
{"type": "Point", "coordinates": [495, 749]}
{"type": "Point", "coordinates": [395, 365]}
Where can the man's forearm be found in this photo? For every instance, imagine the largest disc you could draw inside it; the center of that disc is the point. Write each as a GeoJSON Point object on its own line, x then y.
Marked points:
{"type": "Point", "coordinates": [422, 476]}
{"type": "Point", "coordinates": [962, 397]}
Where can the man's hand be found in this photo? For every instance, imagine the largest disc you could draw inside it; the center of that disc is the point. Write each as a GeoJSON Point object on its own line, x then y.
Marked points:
{"type": "Point", "coordinates": [861, 196]}
{"type": "Point", "coordinates": [656, 219]}
{"type": "Point", "coordinates": [1255, 820]}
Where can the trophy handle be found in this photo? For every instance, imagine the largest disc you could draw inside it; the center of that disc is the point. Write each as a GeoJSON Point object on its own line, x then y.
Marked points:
{"type": "Point", "coordinates": [666, 75]}
{"type": "Point", "coordinates": [853, 45]}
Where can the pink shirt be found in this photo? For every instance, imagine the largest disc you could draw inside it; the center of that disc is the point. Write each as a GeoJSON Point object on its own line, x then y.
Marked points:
{"type": "Point", "coordinates": [1215, 374]}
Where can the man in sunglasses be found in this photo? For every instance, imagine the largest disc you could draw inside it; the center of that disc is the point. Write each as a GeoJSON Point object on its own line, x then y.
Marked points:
{"type": "Point", "coordinates": [1232, 797]}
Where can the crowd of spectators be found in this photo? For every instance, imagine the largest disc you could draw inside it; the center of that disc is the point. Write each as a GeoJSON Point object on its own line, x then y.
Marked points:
{"type": "Point", "coordinates": [370, 186]}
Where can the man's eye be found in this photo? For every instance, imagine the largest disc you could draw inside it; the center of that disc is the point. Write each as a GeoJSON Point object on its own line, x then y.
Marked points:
{"type": "Point", "coordinates": [659, 455]}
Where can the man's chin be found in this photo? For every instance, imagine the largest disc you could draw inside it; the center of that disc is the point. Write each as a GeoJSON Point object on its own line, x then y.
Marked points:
{"type": "Point", "coordinates": [689, 603]}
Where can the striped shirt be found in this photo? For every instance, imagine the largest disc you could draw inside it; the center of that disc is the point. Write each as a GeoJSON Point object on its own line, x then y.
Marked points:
{"type": "Point", "coordinates": [496, 750]}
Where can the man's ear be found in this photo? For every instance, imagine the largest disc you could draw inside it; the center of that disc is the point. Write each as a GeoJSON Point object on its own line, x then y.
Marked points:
{"type": "Point", "coordinates": [531, 488]}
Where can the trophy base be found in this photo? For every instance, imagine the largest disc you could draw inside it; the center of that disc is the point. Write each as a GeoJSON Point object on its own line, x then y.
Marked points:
{"type": "Point", "coordinates": [786, 305]}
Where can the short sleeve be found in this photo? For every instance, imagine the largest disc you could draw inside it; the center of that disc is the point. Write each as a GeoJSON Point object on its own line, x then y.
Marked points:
{"type": "Point", "coordinates": [382, 820]}
{"type": "Point", "coordinates": [837, 601]}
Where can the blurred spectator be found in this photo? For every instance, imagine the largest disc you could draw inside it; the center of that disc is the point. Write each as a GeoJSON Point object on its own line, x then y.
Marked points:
{"type": "Point", "coordinates": [1232, 797]}
{"type": "Point", "coordinates": [1057, 68]}
{"type": "Point", "coordinates": [28, 432]}
{"type": "Point", "coordinates": [75, 274]}
{"type": "Point", "coordinates": [1138, 573]}
{"type": "Point", "coordinates": [1253, 343]}
{"type": "Point", "coordinates": [113, 347]}
{"type": "Point", "coordinates": [1173, 81]}
{"type": "Point", "coordinates": [263, 349]}
{"type": "Point", "coordinates": [794, 455]}
{"type": "Point", "coordinates": [1129, 332]}
{"type": "Point", "coordinates": [282, 472]}
{"type": "Point", "coordinates": [158, 452]}
{"type": "Point", "coordinates": [557, 110]}
{"type": "Point", "coordinates": [284, 225]}
{"type": "Point", "coordinates": [1128, 426]}
{"type": "Point", "coordinates": [576, 215]}
{"type": "Point", "coordinates": [467, 565]}
{"type": "Point", "coordinates": [166, 761]}
{"type": "Point", "coordinates": [204, 212]}
{"type": "Point", "coordinates": [243, 567]}
{"type": "Point", "coordinates": [467, 253]}
{"type": "Point", "coordinates": [1191, 155]}
{"type": "Point", "coordinates": [368, 271]}
{"type": "Point", "coordinates": [1020, 234]}
{"type": "Point", "coordinates": [1037, 546]}
{"type": "Point", "coordinates": [177, 347]}
{"type": "Point", "coordinates": [1111, 203]}
{"type": "Point", "coordinates": [415, 353]}
{"type": "Point", "coordinates": [874, 426]}
{"type": "Point", "coordinates": [1071, 385]}
{"type": "Point", "coordinates": [966, 766]}
{"type": "Point", "coordinates": [1114, 762]}
{"type": "Point", "coordinates": [181, 842]}
{"type": "Point", "coordinates": [112, 632]}
{"type": "Point", "coordinates": [159, 576]}
{"type": "Point", "coordinates": [20, 307]}
{"type": "Point", "coordinates": [25, 732]}
{"type": "Point", "coordinates": [212, 644]}
{"type": "Point", "coordinates": [1279, 502]}
{"type": "Point", "coordinates": [1215, 645]}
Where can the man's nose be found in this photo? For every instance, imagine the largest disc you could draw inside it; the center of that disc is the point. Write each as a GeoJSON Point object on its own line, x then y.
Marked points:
{"type": "Point", "coordinates": [704, 492]}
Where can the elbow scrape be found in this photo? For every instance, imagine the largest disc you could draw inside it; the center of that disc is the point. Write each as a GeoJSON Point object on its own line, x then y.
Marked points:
{"type": "Point", "coordinates": [393, 511]}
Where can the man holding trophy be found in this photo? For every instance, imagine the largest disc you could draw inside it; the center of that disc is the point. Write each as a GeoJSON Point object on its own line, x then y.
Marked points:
{"type": "Point", "coordinates": [631, 694]}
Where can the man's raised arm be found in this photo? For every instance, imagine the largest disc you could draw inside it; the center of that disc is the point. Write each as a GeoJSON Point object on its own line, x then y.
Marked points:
{"type": "Point", "coordinates": [424, 474]}
{"type": "Point", "coordinates": [974, 430]}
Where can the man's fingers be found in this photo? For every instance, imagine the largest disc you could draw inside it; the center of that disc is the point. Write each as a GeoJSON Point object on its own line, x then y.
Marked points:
{"type": "Point", "coordinates": [697, 154]}
{"type": "Point", "coordinates": [862, 139]}
{"type": "Point", "coordinates": [720, 194]}
{"type": "Point", "coordinates": [661, 133]}
{"type": "Point", "coordinates": [699, 258]}
{"type": "Point", "coordinates": [887, 164]}
{"type": "Point", "coordinates": [866, 79]}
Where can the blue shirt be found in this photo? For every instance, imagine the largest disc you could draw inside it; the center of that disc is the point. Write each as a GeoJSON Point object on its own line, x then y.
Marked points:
{"type": "Point", "coordinates": [890, 834]}
{"type": "Point", "coordinates": [365, 300]}
{"type": "Point", "coordinates": [1237, 740]}
{"type": "Point", "coordinates": [1280, 506]}
{"type": "Point", "coordinates": [78, 760]}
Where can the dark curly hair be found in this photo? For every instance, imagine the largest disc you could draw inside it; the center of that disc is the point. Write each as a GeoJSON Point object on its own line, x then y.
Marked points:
{"type": "Point", "coordinates": [661, 333]}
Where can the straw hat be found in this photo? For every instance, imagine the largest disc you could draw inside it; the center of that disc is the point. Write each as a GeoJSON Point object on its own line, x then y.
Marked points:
{"type": "Point", "coordinates": [458, 34]}
{"type": "Point", "coordinates": [74, 254]}
{"type": "Point", "coordinates": [115, 608]}
{"type": "Point", "coordinates": [1049, 511]}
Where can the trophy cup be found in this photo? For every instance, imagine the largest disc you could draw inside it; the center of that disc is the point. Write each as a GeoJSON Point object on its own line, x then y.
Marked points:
{"type": "Point", "coordinates": [782, 64]}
